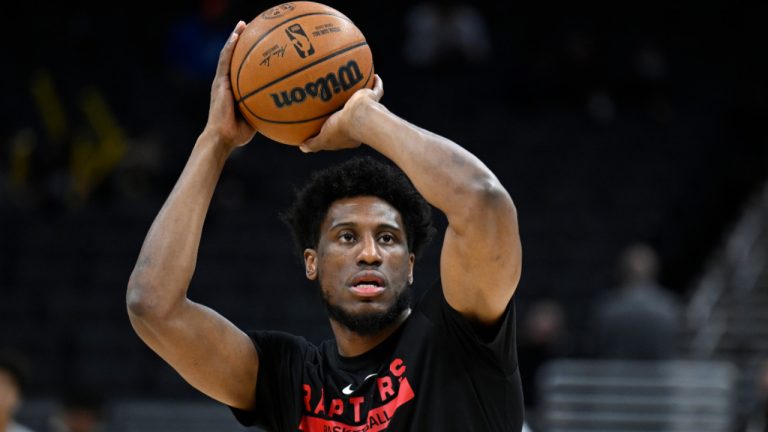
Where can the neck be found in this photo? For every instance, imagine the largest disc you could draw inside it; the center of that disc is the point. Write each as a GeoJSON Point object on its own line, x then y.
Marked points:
{"type": "Point", "coordinates": [352, 344]}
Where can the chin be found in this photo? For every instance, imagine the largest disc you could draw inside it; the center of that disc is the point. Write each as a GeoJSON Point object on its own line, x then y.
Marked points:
{"type": "Point", "coordinates": [369, 317]}
{"type": "Point", "coordinates": [368, 306]}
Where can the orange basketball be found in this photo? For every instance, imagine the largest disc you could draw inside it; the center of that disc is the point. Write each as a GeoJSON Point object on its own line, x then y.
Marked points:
{"type": "Point", "coordinates": [296, 64]}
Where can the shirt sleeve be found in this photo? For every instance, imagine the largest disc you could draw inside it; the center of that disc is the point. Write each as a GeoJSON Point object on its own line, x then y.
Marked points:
{"type": "Point", "coordinates": [490, 347]}
{"type": "Point", "coordinates": [281, 360]}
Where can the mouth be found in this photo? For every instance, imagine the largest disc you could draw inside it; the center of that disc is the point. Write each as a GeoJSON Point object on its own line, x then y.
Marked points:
{"type": "Point", "coordinates": [367, 285]}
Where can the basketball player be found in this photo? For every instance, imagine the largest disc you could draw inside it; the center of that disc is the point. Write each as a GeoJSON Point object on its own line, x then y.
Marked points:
{"type": "Point", "coordinates": [12, 376]}
{"type": "Point", "coordinates": [446, 363]}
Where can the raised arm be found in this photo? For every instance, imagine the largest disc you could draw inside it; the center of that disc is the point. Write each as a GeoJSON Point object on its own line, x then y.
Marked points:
{"type": "Point", "coordinates": [207, 350]}
{"type": "Point", "coordinates": [481, 257]}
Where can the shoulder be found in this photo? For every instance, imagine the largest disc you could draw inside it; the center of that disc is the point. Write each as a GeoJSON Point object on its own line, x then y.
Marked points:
{"type": "Point", "coordinates": [489, 345]}
{"type": "Point", "coordinates": [279, 344]}
{"type": "Point", "coordinates": [436, 308]}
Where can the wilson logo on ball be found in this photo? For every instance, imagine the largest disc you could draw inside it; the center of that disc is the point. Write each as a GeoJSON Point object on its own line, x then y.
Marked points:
{"type": "Point", "coordinates": [324, 87]}
{"type": "Point", "coordinates": [300, 40]}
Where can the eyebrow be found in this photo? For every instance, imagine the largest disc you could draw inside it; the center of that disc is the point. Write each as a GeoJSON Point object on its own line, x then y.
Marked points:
{"type": "Point", "coordinates": [344, 224]}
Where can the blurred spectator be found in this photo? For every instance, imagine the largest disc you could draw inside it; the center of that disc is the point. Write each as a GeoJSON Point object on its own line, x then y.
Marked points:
{"type": "Point", "coordinates": [80, 411]}
{"type": "Point", "coordinates": [757, 419]}
{"type": "Point", "coordinates": [651, 82]}
{"type": "Point", "coordinates": [640, 319]}
{"type": "Point", "coordinates": [543, 338]}
{"type": "Point", "coordinates": [195, 41]}
{"type": "Point", "coordinates": [601, 106]}
{"type": "Point", "coordinates": [192, 52]}
{"type": "Point", "coordinates": [437, 32]}
{"type": "Point", "coordinates": [12, 376]}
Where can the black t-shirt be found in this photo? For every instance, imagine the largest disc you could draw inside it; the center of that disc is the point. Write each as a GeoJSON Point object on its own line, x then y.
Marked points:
{"type": "Point", "coordinates": [435, 373]}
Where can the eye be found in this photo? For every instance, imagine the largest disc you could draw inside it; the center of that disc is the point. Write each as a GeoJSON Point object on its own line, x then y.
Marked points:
{"type": "Point", "coordinates": [346, 237]}
{"type": "Point", "coordinates": [387, 238]}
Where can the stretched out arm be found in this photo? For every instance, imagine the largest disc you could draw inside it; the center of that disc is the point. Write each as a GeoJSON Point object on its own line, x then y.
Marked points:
{"type": "Point", "coordinates": [211, 353]}
{"type": "Point", "coordinates": [481, 256]}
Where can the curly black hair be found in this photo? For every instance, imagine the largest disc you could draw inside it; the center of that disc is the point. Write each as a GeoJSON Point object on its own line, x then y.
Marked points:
{"type": "Point", "coordinates": [358, 176]}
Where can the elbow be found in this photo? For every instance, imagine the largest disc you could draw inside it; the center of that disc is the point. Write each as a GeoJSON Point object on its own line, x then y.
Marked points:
{"type": "Point", "coordinates": [136, 304]}
{"type": "Point", "coordinates": [485, 200]}
{"type": "Point", "coordinates": [136, 299]}
{"type": "Point", "coordinates": [144, 302]}
{"type": "Point", "coordinates": [488, 196]}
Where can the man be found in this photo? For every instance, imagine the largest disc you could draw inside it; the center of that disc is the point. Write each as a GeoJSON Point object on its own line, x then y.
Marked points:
{"type": "Point", "coordinates": [446, 364]}
{"type": "Point", "coordinates": [640, 319]}
{"type": "Point", "coordinates": [12, 376]}
{"type": "Point", "coordinates": [79, 411]}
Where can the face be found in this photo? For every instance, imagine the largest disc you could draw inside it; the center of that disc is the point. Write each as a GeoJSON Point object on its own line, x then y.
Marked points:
{"type": "Point", "coordinates": [362, 263]}
{"type": "Point", "coordinates": [81, 420]}
{"type": "Point", "coordinates": [9, 393]}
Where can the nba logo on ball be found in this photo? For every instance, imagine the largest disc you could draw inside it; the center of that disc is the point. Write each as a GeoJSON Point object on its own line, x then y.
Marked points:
{"type": "Point", "coordinates": [300, 40]}
{"type": "Point", "coordinates": [277, 11]}
{"type": "Point", "coordinates": [288, 97]}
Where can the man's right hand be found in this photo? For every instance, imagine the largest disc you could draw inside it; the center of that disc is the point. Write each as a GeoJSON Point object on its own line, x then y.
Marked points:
{"type": "Point", "coordinates": [225, 125]}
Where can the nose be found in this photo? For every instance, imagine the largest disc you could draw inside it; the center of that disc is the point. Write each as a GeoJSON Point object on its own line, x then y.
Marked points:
{"type": "Point", "coordinates": [369, 252]}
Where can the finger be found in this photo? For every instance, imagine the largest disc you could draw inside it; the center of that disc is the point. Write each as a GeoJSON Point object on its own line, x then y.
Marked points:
{"type": "Point", "coordinates": [378, 87]}
{"type": "Point", "coordinates": [307, 145]}
{"type": "Point", "coordinates": [240, 27]}
{"type": "Point", "coordinates": [225, 56]}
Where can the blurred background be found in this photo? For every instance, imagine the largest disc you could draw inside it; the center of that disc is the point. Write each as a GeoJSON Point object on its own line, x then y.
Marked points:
{"type": "Point", "coordinates": [631, 136]}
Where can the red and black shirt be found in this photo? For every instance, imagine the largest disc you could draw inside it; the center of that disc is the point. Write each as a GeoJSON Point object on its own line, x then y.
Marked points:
{"type": "Point", "coordinates": [435, 373]}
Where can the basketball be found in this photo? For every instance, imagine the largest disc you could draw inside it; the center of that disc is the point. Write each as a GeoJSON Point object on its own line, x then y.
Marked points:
{"type": "Point", "coordinates": [296, 64]}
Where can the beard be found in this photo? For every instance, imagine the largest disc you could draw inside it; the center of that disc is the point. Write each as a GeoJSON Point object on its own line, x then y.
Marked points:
{"type": "Point", "coordinates": [369, 324]}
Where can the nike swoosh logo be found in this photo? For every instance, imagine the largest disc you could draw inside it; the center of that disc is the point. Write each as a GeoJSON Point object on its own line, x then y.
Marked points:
{"type": "Point", "coordinates": [348, 389]}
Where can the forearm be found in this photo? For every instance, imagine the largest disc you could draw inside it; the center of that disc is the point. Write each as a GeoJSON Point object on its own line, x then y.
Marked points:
{"type": "Point", "coordinates": [448, 176]}
{"type": "Point", "coordinates": [167, 259]}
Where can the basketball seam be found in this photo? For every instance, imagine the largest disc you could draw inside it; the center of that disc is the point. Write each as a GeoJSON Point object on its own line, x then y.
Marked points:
{"type": "Point", "coordinates": [311, 119]}
{"type": "Point", "coordinates": [302, 69]}
{"type": "Point", "coordinates": [248, 53]}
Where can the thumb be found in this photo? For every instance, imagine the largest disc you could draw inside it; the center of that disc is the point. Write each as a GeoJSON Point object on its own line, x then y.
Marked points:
{"type": "Point", "coordinates": [308, 145]}
{"type": "Point", "coordinates": [378, 87]}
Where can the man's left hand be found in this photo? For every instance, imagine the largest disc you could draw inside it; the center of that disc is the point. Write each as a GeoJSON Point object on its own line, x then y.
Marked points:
{"type": "Point", "coordinates": [339, 131]}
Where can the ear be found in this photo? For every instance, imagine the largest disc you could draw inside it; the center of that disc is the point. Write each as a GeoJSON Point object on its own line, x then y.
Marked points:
{"type": "Point", "coordinates": [310, 263]}
{"type": "Point", "coordinates": [411, 261]}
